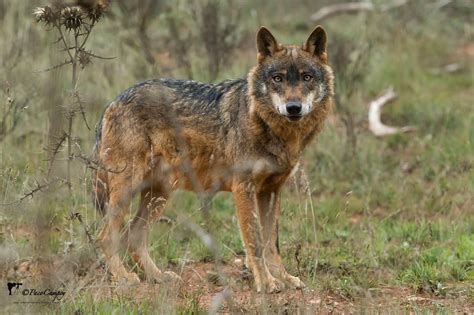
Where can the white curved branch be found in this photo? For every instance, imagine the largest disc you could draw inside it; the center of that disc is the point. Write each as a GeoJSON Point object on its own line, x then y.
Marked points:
{"type": "Point", "coordinates": [353, 7]}
{"type": "Point", "coordinates": [376, 126]}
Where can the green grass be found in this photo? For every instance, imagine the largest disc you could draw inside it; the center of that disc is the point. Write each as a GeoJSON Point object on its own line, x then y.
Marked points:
{"type": "Point", "coordinates": [397, 214]}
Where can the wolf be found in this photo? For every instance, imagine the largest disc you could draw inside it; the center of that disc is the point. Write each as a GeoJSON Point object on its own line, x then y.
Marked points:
{"type": "Point", "coordinates": [243, 136]}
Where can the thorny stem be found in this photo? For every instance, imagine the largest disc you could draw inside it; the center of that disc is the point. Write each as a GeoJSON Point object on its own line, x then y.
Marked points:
{"type": "Point", "coordinates": [63, 39]}
{"type": "Point", "coordinates": [89, 31]}
{"type": "Point", "coordinates": [69, 150]}
{"type": "Point", "coordinates": [97, 56]}
{"type": "Point", "coordinates": [70, 114]}
{"type": "Point", "coordinates": [71, 110]}
{"type": "Point", "coordinates": [73, 59]}
{"type": "Point", "coordinates": [74, 65]}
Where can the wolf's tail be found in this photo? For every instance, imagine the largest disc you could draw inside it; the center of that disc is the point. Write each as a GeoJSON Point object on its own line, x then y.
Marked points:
{"type": "Point", "coordinates": [100, 194]}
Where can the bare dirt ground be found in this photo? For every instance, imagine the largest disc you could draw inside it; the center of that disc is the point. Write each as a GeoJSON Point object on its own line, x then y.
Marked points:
{"type": "Point", "coordinates": [203, 288]}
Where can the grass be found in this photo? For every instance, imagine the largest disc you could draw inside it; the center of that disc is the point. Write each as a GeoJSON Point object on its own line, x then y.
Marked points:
{"type": "Point", "coordinates": [396, 216]}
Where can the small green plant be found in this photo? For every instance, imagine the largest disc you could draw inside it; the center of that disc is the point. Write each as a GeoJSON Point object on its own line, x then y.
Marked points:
{"type": "Point", "coordinates": [10, 112]}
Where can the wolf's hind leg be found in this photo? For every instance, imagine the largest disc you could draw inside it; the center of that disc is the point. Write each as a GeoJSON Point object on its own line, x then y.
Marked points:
{"type": "Point", "coordinates": [109, 235]}
{"type": "Point", "coordinates": [152, 203]}
{"type": "Point", "coordinates": [269, 207]}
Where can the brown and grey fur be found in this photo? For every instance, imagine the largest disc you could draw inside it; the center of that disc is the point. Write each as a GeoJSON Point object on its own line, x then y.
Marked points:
{"type": "Point", "coordinates": [233, 136]}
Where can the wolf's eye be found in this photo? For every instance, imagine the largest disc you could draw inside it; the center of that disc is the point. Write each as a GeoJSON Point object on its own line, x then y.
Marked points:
{"type": "Point", "coordinates": [277, 78]}
{"type": "Point", "coordinates": [307, 77]}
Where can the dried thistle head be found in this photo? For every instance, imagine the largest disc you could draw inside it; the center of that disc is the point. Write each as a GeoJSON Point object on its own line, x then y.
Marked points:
{"type": "Point", "coordinates": [95, 13]}
{"type": "Point", "coordinates": [84, 58]}
{"type": "Point", "coordinates": [46, 15]}
{"type": "Point", "coordinates": [72, 17]}
{"type": "Point", "coordinates": [94, 9]}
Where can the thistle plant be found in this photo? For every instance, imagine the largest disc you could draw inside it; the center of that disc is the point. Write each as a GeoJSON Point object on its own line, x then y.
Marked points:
{"type": "Point", "coordinates": [73, 24]}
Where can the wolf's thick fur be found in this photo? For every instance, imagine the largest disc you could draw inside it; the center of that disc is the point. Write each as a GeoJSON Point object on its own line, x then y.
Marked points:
{"type": "Point", "coordinates": [244, 136]}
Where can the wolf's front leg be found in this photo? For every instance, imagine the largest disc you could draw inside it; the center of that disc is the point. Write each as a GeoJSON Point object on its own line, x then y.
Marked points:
{"type": "Point", "coordinates": [251, 233]}
{"type": "Point", "coordinates": [269, 209]}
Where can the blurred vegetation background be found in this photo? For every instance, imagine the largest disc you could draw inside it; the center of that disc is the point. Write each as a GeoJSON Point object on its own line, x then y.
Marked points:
{"type": "Point", "coordinates": [374, 213]}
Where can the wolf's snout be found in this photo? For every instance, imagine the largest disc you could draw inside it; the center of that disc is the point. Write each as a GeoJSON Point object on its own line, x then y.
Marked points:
{"type": "Point", "coordinates": [293, 108]}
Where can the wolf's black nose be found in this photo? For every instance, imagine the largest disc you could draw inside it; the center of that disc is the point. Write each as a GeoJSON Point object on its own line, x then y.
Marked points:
{"type": "Point", "coordinates": [293, 108]}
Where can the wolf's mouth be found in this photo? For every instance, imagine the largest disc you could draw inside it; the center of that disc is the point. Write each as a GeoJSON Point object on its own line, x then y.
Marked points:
{"type": "Point", "coordinates": [294, 117]}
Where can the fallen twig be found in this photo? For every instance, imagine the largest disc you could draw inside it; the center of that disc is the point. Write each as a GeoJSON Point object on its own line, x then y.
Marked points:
{"type": "Point", "coordinates": [448, 69]}
{"type": "Point", "coordinates": [376, 126]}
{"type": "Point", "coordinates": [353, 7]}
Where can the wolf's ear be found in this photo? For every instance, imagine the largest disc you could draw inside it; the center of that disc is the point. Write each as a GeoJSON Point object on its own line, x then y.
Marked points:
{"type": "Point", "coordinates": [266, 43]}
{"type": "Point", "coordinates": [316, 43]}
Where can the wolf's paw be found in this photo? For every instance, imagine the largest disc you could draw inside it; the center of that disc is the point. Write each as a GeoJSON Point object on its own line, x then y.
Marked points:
{"type": "Point", "coordinates": [170, 276]}
{"type": "Point", "coordinates": [271, 285]}
{"type": "Point", "coordinates": [293, 282]}
{"type": "Point", "coordinates": [128, 279]}
{"type": "Point", "coordinates": [165, 277]}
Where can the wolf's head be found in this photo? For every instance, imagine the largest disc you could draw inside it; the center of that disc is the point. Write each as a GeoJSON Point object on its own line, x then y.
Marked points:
{"type": "Point", "coordinates": [291, 80]}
